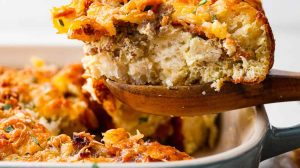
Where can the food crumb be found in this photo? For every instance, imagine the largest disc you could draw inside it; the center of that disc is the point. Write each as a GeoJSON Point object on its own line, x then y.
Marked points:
{"type": "Point", "coordinates": [217, 85]}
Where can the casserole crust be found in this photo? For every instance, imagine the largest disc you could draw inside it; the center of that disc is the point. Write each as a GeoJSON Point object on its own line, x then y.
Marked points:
{"type": "Point", "coordinates": [35, 97]}
{"type": "Point", "coordinates": [22, 138]}
{"type": "Point", "coordinates": [171, 42]}
{"type": "Point", "coordinates": [54, 95]}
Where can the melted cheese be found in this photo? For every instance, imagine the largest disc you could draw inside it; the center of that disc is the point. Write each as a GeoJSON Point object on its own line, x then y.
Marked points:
{"type": "Point", "coordinates": [89, 23]}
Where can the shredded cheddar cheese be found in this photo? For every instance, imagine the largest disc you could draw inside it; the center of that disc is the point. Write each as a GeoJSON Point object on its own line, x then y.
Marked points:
{"type": "Point", "coordinates": [88, 20]}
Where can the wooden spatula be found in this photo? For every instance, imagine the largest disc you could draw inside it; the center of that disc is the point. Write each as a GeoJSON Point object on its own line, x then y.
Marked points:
{"type": "Point", "coordinates": [279, 86]}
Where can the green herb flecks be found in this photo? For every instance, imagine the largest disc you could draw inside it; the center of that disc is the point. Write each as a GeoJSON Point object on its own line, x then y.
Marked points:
{"type": "Point", "coordinates": [48, 139]}
{"type": "Point", "coordinates": [61, 22]}
{"type": "Point", "coordinates": [202, 2]}
{"type": "Point", "coordinates": [7, 107]}
{"type": "Point", "coordinates": [143, 119]}
{"type": "Point", "coordinates": [213, 17]}
{"type": "Point", "coordinates": [9, 129]}
{"type": "Point", "coordinates": [36, 141]}
{"type": "Point", "coordinates": [194, 12]}
{"type": "Point", "coordinates": [95, 165]}
{"type": "Point", "coordinates": [30, 106]}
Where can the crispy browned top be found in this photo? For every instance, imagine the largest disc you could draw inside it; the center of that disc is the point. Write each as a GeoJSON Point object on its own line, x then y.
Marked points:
{"type": "Point", "coordinates": [88, 20]}
{"type": "Point", "coordinates": [54, 95]}
{"type": "Point", "coordinates": [39, 96]}
{"type": "Point", "coordinates": [22, 138]}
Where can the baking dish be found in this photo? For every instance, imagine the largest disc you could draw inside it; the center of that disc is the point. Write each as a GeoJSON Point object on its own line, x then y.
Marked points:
{"type": "Point", "coordinates": [246, 136]}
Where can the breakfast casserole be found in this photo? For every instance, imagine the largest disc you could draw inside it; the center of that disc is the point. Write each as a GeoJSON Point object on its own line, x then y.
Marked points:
{"type": "Point", "coordinates": [22, 138]}
{"type": "Point", "coordinates": [170, 42]}
{"type": "Point", "coordinates": [46, 114]}
{"type": "Point", "coordinates": [54, 95]}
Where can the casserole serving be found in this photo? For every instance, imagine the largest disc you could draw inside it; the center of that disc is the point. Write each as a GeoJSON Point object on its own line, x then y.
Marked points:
{"type": "Point", "coordinates": [171, 42]}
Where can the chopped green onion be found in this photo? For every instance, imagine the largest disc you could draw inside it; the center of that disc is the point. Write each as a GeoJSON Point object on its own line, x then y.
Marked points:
{"type": "Point", "coordinates": [202, 2]}
{"type": "Point", "coordinates": [7, 107]}
{"type": "Point", "coordinates": [9, 129]}
{"type": "Point", "coordinates": [35, 140]}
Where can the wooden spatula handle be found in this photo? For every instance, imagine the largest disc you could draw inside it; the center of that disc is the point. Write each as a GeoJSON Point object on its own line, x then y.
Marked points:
{"type": "Point", "coordinates": [280, 86]}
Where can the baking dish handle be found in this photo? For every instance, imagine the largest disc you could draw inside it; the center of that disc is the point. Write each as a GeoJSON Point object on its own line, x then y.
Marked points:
{"type": "Point", "coordinates": [280, 140]}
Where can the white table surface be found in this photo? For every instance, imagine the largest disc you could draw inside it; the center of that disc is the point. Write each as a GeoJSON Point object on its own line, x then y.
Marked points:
{"type": "Point", "coordinates": [28, 22]}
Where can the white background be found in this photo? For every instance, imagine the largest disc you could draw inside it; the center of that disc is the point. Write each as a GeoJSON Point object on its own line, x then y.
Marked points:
{"type": "Point", "coordinates": [28, 22]}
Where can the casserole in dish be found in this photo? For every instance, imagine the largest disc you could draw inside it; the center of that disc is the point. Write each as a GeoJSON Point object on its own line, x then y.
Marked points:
{"type": "Point", "coordinates": [245, 137]}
